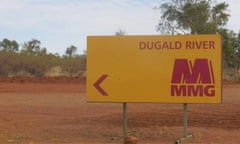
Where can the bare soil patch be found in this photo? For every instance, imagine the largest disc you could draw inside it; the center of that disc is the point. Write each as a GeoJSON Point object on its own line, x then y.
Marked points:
{"type": "Point", "coordinates": [56, 111]}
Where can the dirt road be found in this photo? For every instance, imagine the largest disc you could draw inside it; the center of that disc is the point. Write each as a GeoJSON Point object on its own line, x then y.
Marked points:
{"type": "Point", "coordinates": [48, 113]}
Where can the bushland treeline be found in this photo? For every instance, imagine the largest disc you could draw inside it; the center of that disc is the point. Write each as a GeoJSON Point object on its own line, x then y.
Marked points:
{"type": "Point", "coordinates": [203, 17]}
{"type": "Point", "coordinates": [33, 60]}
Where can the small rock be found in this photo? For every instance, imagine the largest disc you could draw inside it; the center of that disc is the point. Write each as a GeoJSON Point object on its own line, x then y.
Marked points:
{"type": "Point", "coordinates": [131, 140]}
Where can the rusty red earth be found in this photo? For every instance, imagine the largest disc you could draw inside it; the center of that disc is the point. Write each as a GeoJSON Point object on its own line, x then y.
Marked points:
{"type": "Point", "coordinates": [56, 111]}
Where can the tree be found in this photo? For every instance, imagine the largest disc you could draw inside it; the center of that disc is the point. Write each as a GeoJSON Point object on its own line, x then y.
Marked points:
{"type": "Point", "coordinates": [120, 32]}
{"type": "Point", "coordinates": [31, 47]}
{"type": "Point", "coordinates": [9, 46]}
{"type": "Point", "coordinates": [71, 50]}
{"type": "Point", "coordinates": [192, 16]}
{"type": "Point", "coordinates": [231, 51]}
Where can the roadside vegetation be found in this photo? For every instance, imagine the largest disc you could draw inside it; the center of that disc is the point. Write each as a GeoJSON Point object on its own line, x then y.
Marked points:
{"type": "Point", "coordinates": [33, 60]}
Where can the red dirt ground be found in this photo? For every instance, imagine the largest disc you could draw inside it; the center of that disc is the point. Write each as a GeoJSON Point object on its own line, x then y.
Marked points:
{"type": "Point", "coordinates": [54, 110]}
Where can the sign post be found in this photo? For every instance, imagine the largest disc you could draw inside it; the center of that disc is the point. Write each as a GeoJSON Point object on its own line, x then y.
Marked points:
{"type": "Point", "coordinates": [183, 69]}
{"type": "Point", "coordinates": [185, 125]}
{"type": "Point", "coordinates": [185, 120]}
{"type": "Point", "coordinates": [124, 120]}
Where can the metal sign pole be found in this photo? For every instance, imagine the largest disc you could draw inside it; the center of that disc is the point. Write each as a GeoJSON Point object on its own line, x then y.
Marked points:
{"type": "Point", "coordinates": [185, 125]}
{"type": "Point", "coordinates": [185, 120]}
{"type": "Point", "coordinates": [124, 119]}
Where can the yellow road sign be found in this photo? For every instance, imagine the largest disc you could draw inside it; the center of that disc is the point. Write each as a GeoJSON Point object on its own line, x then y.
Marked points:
{"type": "Point", "coordinates": [164, 69]}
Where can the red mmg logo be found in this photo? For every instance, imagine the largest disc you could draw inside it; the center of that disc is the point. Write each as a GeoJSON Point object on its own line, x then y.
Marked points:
{"type": "Point", "coordinates": [190, 79]}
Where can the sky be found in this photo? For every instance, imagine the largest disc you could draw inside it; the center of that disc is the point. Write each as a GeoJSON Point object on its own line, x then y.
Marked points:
{"type": "Point", "coordinates": [59, 24]}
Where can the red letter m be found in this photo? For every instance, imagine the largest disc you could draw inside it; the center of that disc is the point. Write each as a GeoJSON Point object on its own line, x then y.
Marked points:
{"type": "Point", "coordinates": [186, 72]}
